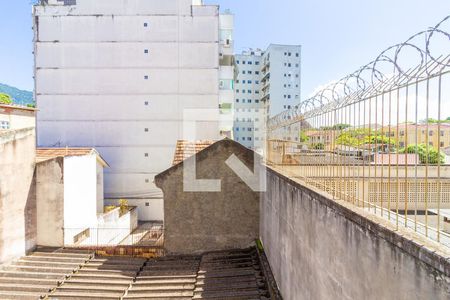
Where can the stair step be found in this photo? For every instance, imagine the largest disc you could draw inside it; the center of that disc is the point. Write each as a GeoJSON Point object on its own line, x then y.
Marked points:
{"type": "Point", "coordinates": [162, 287]}
{"type": "Point", "coordinates": [61, 254]}
{"type": "Point", "coordinates": [150, 282]}
{"type": "Point", "coordinates": [35, 281]}
{"type": "Point", "coordinates": [20, 287]}
{"type": "Point", "coordinates": [228, 295]}
{"type": "Point", "coordinates": [54, 259]}
{"type": "Point", "coordinates": [161, 294]}
{"type": "Point", "coordinates": [52, 264]}
{"type": "Point", "coordinates": [75, 296]}
{"type": "Point", "coordinates": [88, 290]}
{"type": "Point", "coordinates": [227, 286]}
{"type": "Point", "coordinates": [105, 276]}
{"type": "Point", "coordinates": [137, 297]}
{"type": "Point", "coordinates": [87, 282]}
{"type": "Point", "coordinates": [182, 273]}
{"type": "Point", "coordinates": [55, 270]}
{"type": "Point", "coordinates": [4, 295]}
{"type": "Point", "coordinates": [38, 275]}
{"type": "Point", "coordinates": [107, 272]}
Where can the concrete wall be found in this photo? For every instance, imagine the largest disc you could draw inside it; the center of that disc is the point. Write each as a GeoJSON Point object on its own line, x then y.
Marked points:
{"type": "Point", "coordinates": [195, 222]}
{"type": "Point", "coordinates": [50, 202]}
{"type": "Point", "coordinates": [18, 118]}
{"type": "Point", "coordinates": [91, 87]}
{"type": "Point", "coordinates": [321, 249]}
{"type": "Point", "coordinates": [80, 193]}
{"type": "Point", "coordinates": [17, 193]}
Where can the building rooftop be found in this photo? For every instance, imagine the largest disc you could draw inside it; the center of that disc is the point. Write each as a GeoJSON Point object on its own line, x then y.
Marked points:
{"type": "Point", "coordinates": [186, 149]}
{"type": "Point", "coordinates": [43, 154]}
{"type": "Point", "coordinates": [9, 107]}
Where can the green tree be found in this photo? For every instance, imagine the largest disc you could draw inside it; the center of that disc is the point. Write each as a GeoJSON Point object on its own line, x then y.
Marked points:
{"type": "Point", "coordinates": [303, 137]}
{"type": "Point", "coordinates": [5, 99]}
{"type": "Point", "coordinates": [318, 146]}
{"type": "Point", "coordinates": [426, 154]}
{"type": "Point", "coordinates": [364, 136]}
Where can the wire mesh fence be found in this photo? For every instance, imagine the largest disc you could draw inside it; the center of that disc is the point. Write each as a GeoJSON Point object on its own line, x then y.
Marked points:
{"type": "Point", "coordinates": [380, 137]}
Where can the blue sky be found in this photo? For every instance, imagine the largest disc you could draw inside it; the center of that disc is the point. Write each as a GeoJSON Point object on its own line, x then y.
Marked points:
{"type": "Point", "coordinates": [337, 36]}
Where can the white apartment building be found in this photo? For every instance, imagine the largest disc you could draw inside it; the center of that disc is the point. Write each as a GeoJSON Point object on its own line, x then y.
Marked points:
{"type": "Point", "coordinates": [249, 121]}
{"type": "Point", "coordinates": [281, 78]}
{"type": "Point", "coordinates": [117, 75]}
{"type": "Point", "coordinates": [267, 83]}
{"type": "Point", "coordinates": [226, 73]}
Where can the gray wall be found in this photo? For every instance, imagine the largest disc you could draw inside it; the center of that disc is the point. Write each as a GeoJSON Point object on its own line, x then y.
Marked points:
{"type": "Point", "coordinates": [196, 222]}
{"type": "Point", "coordinates": [17, 194]}
{"type": "Point", "coordinates": [50, 202]}
{"type": "Point", "coordinates": [318, 249]}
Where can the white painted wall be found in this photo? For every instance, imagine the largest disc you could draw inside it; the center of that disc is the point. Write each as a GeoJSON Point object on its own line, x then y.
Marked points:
{"type": "Point", "coordinates": [91, 87]}
{"type": "Point", "coordinates": [80, 194]}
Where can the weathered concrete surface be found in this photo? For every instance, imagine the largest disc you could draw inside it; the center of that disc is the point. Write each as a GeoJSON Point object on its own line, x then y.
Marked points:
{"type": "Point", "coordinates": [17, 200]}
{"type": "Point", "coordinates": [321, 249]}
{"type": "Point", "coordinates": [50, 202]}
{"type": "Point", "coordinates": [196, 222]}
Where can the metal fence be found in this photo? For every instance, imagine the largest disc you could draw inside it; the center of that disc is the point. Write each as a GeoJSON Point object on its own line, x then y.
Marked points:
{"type": "Point", "coordinates": [379, 138]}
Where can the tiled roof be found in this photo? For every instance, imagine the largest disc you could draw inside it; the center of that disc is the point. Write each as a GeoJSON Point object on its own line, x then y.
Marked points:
{"type": "Point", "coordinates": [186, 149]}
{"type": "Point", "coordinates": [43, 154]}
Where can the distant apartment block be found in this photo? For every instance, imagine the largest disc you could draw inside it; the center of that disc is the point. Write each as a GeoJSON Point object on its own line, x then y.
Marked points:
{"type": "Point", "coordinates": [249, 122]}
{"type": "Point", "coordinates": [267, 83]}
{"type": "Point", "coordinates": [281, 78]}
{"type": "Point", "coordinates": [117, 75]}
{"type": "Point", "coordinates": [226, 73]}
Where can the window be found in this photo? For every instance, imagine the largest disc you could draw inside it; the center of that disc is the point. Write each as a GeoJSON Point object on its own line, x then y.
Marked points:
{"type": "Point", "coordinates": [256, 81]}
{"type": "Point", "coordinates": [402, 133]}
{"type": "Point", "coordinates": [147, 203]}
{"type": "Point", "coordinates": [146, 180]}
{"type": "Point", "coordinates": [297, 65]}
{"type": "Point", "coordinates": [249, 72]}
{"type": "Point", "coordinates": [237, 100]}
{"type": "Point", "coordinates": [145, 154]}
{"type": "Point", "coordinates": [249, 101]}
{"type": "Point", "coordinates": [249, 91]}
{"type": "Point", "coordinates": [146, 24]}
{"type": "Point", "coordinates": [257, 63]}
{"type": "Point", "coordinates": [249, 129]}
{"type": "Point", "coordinates": [442, 144]}
{"type": "Point", "coordinates": [431, 133]}
{"type": "Point", "coordinates": [297, 54]}
{"type": "Point", "coordinates": [237, 61]}
{"type": "Point", "coordinates": [257, 119]}
{"type": "Point", "coordinates": [146, 103]}
{"type": "Point", "coordinates": [249, 139]}
{"type": "Point", "coordinates": [296, 75]}
{"type": "Point", "coordinates": [289, 96]}
{"type": "Point", "coordinates": [237, 128]}
{"type": "Point", "coordinates": [243, 91]}
{"type": "Point", "coordinates": [4, 125]}
{"type": "Point", "coordinates": [257, 72]}
{"type": "Point", "coordinates": [243, 72]}
{"type": "Point", "coordinates": [146, 51]}
{"type": "Point", "coordinates": [256, 101]}
{"type": "Point", "coordinates": [145, 77]}
{"type": "Point", "coordinates": [249, 81]}
{"type": "Point", "coordinates": [289, 65]}
{"type": "Point", "coordinates": [250, 63]}
{"type": "Point", "coordinates": [243, 62]}
{"type": "Point", "coordinates": [256, 92]}
{"type": "Point", "coordinates": [442, 133]}
{"type": "Point", "coordinates": [146, 129]}
{"type": "Point", "coordinates": [237, 81]}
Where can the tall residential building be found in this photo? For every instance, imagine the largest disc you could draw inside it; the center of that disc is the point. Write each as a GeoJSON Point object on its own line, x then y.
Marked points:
{"type": "Point", "coordinates": [249, 122]}
{"type": "Point", "coordinates": [281, 78]}
{"type": "Point", "coordinates": [117, 75]}
{"type": "Point", "coordinates": [226, 73]}
{"type": "Point", "coordinates": [267, 83]}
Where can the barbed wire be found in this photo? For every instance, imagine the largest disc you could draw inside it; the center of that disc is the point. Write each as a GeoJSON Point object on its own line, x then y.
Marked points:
{"type": "Point", "coordinates": [386, 73]}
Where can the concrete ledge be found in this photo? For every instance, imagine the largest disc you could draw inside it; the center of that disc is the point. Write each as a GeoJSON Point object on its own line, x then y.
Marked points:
{"type": "Point", "coordinates": [430, 253]}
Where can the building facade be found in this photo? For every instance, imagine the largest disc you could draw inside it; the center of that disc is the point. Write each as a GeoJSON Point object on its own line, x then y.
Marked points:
{"type": "Point", "coordinates": [249, 122]}
{"type": "Point", "coordinates": [118, 75]}
{"type": "Point", "coordinates": [267, 83]}
{"type": "Point", "coordinates": [280, 78]}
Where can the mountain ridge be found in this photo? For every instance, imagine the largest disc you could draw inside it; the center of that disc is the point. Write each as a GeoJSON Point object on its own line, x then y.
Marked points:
{"type": "Point", "coordinates": [18, 96]}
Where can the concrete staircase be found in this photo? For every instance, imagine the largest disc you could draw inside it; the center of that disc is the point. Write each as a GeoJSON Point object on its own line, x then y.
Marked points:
{"type": "Point", "coordinates": [166, 278]}
{"type": "Point", "coordinates": [230, 275]}
{"type": "Point", "coordinates": [72, 274]}
{"type": "Point", "coordinates": [35, 275]}
{"type": "Point", "coordinates": [100, 278]}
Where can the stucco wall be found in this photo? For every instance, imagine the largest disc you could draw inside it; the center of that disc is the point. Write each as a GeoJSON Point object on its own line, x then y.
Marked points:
{"type": "Point", "coordinates": [50, 202]}
{"type": "Point", "coordinates": [195, 222]}
{"type": "Point", "coordinates": [321, 249]}
{"type": "Point", "coordinates": [17, 201]}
